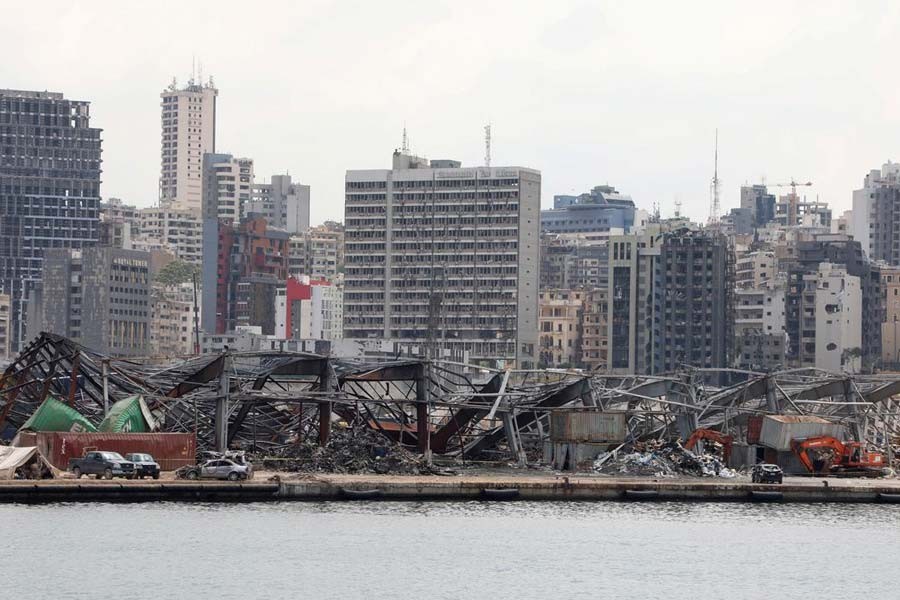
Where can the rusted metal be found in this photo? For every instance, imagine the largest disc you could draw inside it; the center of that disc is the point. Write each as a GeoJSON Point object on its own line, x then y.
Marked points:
{"type": "Point", "coordinates": [171, 450]}
{"type": "Point", "coordinates": [73, 380]}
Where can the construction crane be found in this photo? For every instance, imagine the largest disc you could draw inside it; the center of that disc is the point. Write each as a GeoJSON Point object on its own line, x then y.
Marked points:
{"type": "Point", "coordinates": [792, 198]}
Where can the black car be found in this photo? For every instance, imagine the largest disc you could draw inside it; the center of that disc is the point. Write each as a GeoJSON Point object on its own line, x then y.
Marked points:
{"type": "Point", "coordinates": [766, 473]}
{"type": "Point", "coordinates": [144, 465]}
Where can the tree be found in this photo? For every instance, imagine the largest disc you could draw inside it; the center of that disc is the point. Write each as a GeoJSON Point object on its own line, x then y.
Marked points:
{"type": "Point", "coordinates": [177, 272]}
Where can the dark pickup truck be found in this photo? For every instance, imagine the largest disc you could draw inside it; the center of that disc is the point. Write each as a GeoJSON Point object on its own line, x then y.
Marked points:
{"type": "Point", "coordinates": [102, 464]}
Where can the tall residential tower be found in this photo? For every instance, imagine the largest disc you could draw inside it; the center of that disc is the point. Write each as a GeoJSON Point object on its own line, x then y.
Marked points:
{"type": "Point", "coordinates": [188, 132]}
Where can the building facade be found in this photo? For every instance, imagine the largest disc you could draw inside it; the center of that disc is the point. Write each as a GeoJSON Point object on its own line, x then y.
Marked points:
{"type": "Point", "coordinates": [759, 326]}
{"type": "Point", "coordinates": [307, 309]}
{"type": "Point", "coordinates": [875, 218]}
{"type": "Point", "coordinates": [98, 297]}
{"type": "Point", "coordinates": [760, 203]}
{"type": "Point", "coordinates": [561, 320]}
{"type": "Point", "coordinates": [316, 253]}
{"type": "Point", "coordinates": [5, 327]}
{"type": "Point", "coordinates": [172, 320]}
{"type": "Point", "coordinates": [838, 311]}
{"type": "Point", "coordinates": [49, 189]}
{"type": "Point", "coordinates": [283, 203]}
{"type": "Point", "coordinates": [601, 210]}
{"type": "Point", "coordinates": [445, 257]}
{"type": "Point", "coordinates": [227, 186]}
{"type": "Point", "coordinates": [188, 132]}
{"type": "Point", "coordinates": [177, 231]}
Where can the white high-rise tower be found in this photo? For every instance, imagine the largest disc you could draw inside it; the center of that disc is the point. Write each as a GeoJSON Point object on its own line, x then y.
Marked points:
{"type": "Point", "coordinates": [188, 132]}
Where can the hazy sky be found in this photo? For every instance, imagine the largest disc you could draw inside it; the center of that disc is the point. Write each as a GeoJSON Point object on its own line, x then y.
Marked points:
{"type": "Point", "coordinates": [625, 93]}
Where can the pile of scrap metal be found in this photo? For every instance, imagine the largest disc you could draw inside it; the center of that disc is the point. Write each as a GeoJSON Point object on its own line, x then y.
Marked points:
{"type": "Point", "coordinates": [348, 450]}
{"type": "Point", "coordinates": [269, 403]}
{"type": "Point", "coordinates": [662, 459]}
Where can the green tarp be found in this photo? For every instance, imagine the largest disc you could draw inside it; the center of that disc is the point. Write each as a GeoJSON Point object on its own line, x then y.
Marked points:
{"type": "Point", "coordinates": [130, 415]}
{"type": "Point", "coordinates": [53, 415]}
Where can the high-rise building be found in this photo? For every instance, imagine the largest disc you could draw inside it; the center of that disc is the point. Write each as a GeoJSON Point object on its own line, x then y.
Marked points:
{"type": "Point", "coordinates": [227, 186]}
{"type": "Point", "coordinates": [119, 224]}
{"type": "Point", "coordinates": [172, 320]}
{"type": "Point", "coordinates": [693, 301]}
{"type": "Point", "coordinates": [875, 219]}
{"type": "Point", "coordinates": [444, 257]}
{"type": "Point", "coordinates": [890, 328]}
{"type": "Point", "coordinates": [188, 132]}
{"type": "Point", "coordinates": [838, 310]}
{"type": "Point", "coordinates": [49, 189]}
{"type": "Point", "coordinates": [595, 330]}
{"type": "Point", "coordinates": [98, 297]}
{"type": "Point", "coordinates": [284, 204]}
{"type": "Point", "coordinates": [760, 203]}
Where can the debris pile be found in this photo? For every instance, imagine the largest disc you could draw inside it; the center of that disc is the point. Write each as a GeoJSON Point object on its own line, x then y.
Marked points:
{"type": "Point", "coordinates": [661, 459]}
{"type": "Point", "coordinates": [357, 450]}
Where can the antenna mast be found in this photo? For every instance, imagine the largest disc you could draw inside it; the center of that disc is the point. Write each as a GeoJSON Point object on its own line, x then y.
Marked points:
{"type": "Point", "coordinates": [714, 205]}
{"type": "Point", "coordinates": [405, 146]}
{"type": "Point", "coordinates": [487, 145]}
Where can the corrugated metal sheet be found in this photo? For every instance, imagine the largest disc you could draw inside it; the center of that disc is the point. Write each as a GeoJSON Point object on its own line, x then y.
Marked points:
{"type": "Point", "coordinates": [587, 425]}
{"type": "Point", "coordinates": [53, 415]}
{"type": "Point", "coordinates": [171, 450]}
{"type": "Point", "coordinates": [778, 430]}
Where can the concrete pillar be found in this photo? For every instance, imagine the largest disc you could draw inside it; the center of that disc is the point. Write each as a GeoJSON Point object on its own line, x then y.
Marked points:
{"type": "Point", "coordinates": [221, 429]}
{"type": "Point", "coordinates": [772, 404]}
{"type": "Point", "coordinates": [326, 384]}
{"type": "Point", "coordinates": [423, 435]}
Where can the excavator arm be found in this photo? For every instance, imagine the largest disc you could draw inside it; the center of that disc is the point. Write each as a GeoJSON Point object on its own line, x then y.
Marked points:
{"type": "Point", "coordinates": [802, 447]}
{"type": "Point", "coordinates": [714, 436]}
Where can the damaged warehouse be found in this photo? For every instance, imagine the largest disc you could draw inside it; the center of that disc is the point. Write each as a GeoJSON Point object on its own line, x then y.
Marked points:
{"type": "Point", "coordinates": [282, 406]}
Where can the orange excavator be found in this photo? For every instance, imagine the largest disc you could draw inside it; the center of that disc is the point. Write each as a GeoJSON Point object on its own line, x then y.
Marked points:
{"type": "Point", "coordinates": [846, 457]}
{"type": "Point", "coordinates": [714, 436]}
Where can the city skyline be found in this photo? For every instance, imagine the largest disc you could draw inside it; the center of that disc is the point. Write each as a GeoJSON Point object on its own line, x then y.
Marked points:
{"type": "Point", "coordinates": [618, 96]}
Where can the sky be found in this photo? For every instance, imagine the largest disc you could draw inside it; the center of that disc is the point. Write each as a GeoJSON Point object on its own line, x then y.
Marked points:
{"type": "Point", "coordinates": [628, 94]}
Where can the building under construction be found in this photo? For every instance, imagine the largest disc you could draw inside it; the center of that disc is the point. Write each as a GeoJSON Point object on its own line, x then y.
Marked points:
{"type": "Point", "coordinates": [268, 401]}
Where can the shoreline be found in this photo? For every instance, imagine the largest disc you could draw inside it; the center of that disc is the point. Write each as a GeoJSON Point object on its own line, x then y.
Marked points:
{"type": "Point", "coordinates": [492, 487]}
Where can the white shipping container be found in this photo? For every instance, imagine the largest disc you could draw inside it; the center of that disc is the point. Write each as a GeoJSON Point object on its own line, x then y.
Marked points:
{"type": "Point", "coordinates": [778, 430]}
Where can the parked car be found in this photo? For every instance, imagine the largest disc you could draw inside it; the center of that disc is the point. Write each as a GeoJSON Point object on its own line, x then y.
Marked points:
{"type": "Point", "coordinates": [220, 468]}
{"type": "Point", "coordinates": [144, 465]}
{"type": "Point", "coordinates": [102, 464]}
{"type": "Point", "coordinates": [766, 473]}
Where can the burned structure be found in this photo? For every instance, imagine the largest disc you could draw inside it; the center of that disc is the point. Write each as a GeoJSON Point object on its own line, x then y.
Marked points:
{"type": "Point", "coordinates": [269, 401]}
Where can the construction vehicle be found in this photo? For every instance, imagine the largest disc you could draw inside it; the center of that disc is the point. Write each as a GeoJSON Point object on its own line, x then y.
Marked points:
{"type": "Point", "coordinates": [835, 456]}
{"type": "Point", "coordinates": [713, 436]}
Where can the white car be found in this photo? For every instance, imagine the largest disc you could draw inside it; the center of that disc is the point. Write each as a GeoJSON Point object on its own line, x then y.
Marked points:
{"type": "Point", "coordinates": [219, 468]}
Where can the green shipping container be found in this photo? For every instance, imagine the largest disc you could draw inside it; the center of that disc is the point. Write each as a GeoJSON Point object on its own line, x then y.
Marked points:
{"type": "Point", "coordinates": [53, 415]}
{"type": "Point", "coordinates": [130, 415]}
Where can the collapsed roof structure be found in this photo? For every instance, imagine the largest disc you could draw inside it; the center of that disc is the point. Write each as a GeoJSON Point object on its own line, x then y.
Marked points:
{"type": "Point", "coordinates": [270, 400]}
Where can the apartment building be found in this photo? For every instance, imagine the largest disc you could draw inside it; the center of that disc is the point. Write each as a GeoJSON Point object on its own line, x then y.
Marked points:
{"type": "Point", "coordinates": [179, 232]}
{"type": "Point", "coordinates": [227, 186]}
{"type": "Point", "coordinates": [838, 314]}
{"type": "Point", "coordinates": [760, 326]}
{"type": "Point", "coordinates": [446, 257]}
{"type": "Point", "coordinates": [49, 189]}
{"type": "Point", "coordinates": [172, 320]}
{"type": "Point", "coordinates": [875, 218]}
{"type": "Point", "coordinates": [308, 309]}
{"type": "Point", "coordinates": [560, 323]}
{"type": "Point", "coordinates": [755, 269]}
{"type": "Point", "coordinates": [317, 253]}
{"type": "Point", "coordinates": [760, 203]}
{"type": "Point", "coordinates": [890, 328]}
{"type": "Point", "coordinates": [283, 203]}
{"type": "Point", "coordinates": [595, 330]}
{"type": "Point", "coordinates": [188, 133]}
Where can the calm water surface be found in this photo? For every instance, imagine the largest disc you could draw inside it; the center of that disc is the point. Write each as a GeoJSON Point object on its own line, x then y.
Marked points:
{"type": "Point", "coordinates": [450, 550]}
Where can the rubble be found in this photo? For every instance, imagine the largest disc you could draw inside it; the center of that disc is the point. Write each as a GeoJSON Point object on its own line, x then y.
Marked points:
{"type": "Point", "coordinates": [661, 459]}
{"type": "Point", "coordinates": [349, 450]}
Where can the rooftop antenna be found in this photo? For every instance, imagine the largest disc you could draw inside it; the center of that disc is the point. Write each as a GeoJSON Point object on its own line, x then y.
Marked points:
{"type": "Point", "coordinates": [714, 205]}
{"type": "Point", "coordinates": [199, 72]}
{"type": "Point", "coordinates": [487, 145]}
{"type": "Point", "coordinates": [677, 209]}
{"type": "Point", "coordinates": [193, 69]}
{"type": "Point", "coordinates": [405, 146]}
